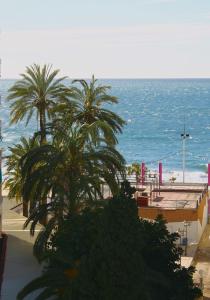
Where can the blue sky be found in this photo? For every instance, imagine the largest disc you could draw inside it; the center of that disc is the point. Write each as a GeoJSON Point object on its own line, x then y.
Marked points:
{"type": "Point", "coordinates": [112, 38]}
{"type": "Point", "coordinates": [30, 14]}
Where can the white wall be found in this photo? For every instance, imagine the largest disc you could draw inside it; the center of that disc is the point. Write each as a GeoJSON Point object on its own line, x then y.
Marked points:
{"type": "Point", "coordinates": [195, 230]}
{"type": "Point", "coordinates": [192, 230]}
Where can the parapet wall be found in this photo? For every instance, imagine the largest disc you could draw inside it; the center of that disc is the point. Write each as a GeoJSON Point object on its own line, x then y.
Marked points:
{"type": "Point", "coordinates": [198, 217]}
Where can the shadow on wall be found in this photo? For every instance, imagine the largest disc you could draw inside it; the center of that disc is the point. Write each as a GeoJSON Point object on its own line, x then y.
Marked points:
{"type": "Point", "coordinates": [20, 267]}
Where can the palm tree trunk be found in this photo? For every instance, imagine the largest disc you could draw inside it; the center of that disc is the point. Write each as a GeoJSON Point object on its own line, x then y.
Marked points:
{"type": "Point", "coordinates": [42, 123]}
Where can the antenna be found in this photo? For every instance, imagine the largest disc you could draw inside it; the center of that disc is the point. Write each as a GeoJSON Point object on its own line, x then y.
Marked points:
{"type": "Point", "coordinates": [184, 136]}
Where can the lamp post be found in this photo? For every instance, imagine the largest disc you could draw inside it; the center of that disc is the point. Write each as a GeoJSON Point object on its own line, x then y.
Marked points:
{"type": "Point", "coordinates": [184, 136]}
{"type": "Point", "coordinates": [184, 232]}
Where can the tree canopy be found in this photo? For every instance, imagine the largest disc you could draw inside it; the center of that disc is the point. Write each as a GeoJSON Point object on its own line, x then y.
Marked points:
{"type": "Point", "coordinates": [92, 248]}
{"type": "Point", "coordinates": [36, 94]}
{"type": "Point", "coordinates": [109, 253]}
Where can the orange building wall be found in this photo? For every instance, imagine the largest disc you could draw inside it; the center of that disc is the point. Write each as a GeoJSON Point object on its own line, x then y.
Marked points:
{"type": "Point", "coordinates": [174, 215]}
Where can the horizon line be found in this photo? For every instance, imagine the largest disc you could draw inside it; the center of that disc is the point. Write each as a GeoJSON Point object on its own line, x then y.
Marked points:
{"type": "Point", "coordinates": [123, 78]}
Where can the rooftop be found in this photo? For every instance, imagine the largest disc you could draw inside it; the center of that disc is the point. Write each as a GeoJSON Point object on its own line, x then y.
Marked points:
{"type": "Point", "coordinates": [174, 196]}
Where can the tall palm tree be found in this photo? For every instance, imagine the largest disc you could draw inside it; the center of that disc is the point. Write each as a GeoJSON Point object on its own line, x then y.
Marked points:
{"type": "Point", "coordinates": [91, 112]}
{"type": "Point", "coordinates": [70, 173]}
{"type": "Point", "coordinates": [36, 93]}
{"type": "Point", "coordinates": [70, 167]}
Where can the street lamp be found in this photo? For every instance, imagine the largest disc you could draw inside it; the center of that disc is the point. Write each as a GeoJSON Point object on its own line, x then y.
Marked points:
{"type": "Point", "coordinates": [184, 233]}
{"type": "Point", "coordinates": [184, 136]}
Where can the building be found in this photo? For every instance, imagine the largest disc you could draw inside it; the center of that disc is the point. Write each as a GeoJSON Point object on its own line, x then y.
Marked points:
{"type": "Point", "coordinates": [183, 206]}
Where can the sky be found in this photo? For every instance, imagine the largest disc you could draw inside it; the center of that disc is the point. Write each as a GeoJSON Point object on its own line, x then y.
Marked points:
{"type": "Point", "coordinates": [108, 38]}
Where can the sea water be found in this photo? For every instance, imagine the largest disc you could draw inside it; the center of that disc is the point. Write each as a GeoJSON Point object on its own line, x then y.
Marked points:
{"type": "Point", "coordinates": [156, 112]}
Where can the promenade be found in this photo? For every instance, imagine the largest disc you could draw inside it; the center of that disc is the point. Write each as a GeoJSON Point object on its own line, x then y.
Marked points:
{"type": "Point", "coordinates": [20, 267]}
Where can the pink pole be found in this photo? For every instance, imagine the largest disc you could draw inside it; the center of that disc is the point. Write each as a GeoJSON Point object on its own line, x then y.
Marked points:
{"type": "Point", "coordinates": [208, 174]}
{"type": "Point", "coordinates": [143, 173]}
{"type": "Point", "coordinates": [160, 173]}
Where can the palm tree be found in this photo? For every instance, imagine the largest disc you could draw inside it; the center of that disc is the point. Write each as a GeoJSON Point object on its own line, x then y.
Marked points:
{"type": "Point", "coordinates": [71, 167]}
{"type": "Point", "coordinates": [35, 94]}
{"type": "Point", "coordinates": [52, 283]}
{"type": "Point", "coordinates": [134, 168]}
{"type": "Point", "coordinates": [90, 111]}
{"type": "Point", "coordinates": [14, 179]}
{"type": "Point", "coordinates": [70, 173]}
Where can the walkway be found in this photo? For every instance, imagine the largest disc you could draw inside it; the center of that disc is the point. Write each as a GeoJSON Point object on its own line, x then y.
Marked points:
{"type": "Point", "coordinates": [21, 267]}
{"type": "Point", "coordinates": [202, 262]}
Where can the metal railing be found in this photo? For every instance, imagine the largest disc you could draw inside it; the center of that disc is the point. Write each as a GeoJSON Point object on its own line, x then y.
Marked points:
{"type": "Point", "coordinates": [174, 204]}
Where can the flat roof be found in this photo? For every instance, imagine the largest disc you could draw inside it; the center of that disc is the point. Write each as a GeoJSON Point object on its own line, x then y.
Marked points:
{"type": "Point", "coordinates": [175, 200]}
{"type": "Point", "coordinates": [176, 196]}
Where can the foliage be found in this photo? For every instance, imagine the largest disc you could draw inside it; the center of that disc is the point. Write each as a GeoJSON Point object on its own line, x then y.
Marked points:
{"type": "Point", "coordinates": [14, 180]}
{"type": "Point", "coordinates": [36, 94]}
{"type": "Point", "coordinates": [163, 256]}
{"type": "Point", "coordinates": [86, 107]}
{"type": "Point", "coordinates": [134, 168]}
{"type": "Point", "coordinates": [91, 98]}
{"type": "Point", "coordinates": [40, 93]}
{"type": "Point", "coordinates": [91, 249]}
{"type": "Point", "coordinates": [69, 169]}
{"type": "Point", "coordinates": [109, 253]}
{"type": "Point", "coordinates": [70, 173]}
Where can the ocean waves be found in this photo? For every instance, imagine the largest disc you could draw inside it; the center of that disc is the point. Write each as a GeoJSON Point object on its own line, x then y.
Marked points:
{"type": "Point", "coordinates": [155, 111]}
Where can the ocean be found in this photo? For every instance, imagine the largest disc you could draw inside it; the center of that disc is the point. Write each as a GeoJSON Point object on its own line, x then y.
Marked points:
{"type": "Point", "coordinates": [155, 111]}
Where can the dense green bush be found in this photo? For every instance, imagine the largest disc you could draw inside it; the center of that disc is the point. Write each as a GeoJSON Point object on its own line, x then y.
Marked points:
{"type": "Point", "coordinates": [110, 254]}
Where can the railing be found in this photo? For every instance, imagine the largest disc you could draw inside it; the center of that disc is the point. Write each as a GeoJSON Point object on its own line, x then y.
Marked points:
{"type": "Point", "coordinates": [172, 187]}
{"type": "Point", "coordinates": [174, 204]}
